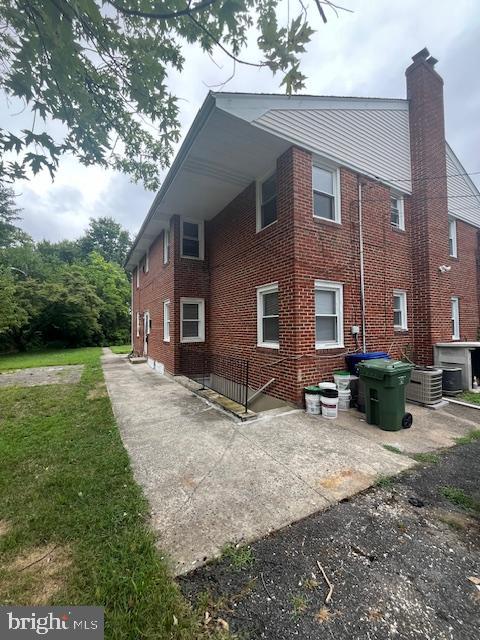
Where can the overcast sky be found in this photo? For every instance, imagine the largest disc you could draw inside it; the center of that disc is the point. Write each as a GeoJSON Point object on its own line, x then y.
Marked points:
{"type": "Point", "coordinates": [360, 54]}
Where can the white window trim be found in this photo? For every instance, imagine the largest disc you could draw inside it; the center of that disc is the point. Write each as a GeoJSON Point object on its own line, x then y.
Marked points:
{"type": "Point", "coordinates": [403, 310]}
{"type": "Point", "coordinates": [258, 200]}
{"type": "Point", "coordinates": [272, 287]}
{"type": "Point", "coordinates": [455, 300]}
{"type": "Point", "coordinates": [401, 210]}
{"type": "Point", "coordinates": [338, 288]}
{"type": "Point", "coordinates": [147, 260]}
{"type": "Point", "coordinates": [452, 225]}
{"type": "Point", "coordinates": [137, 276]}
{"type": "Point", "coordinates": [166, 322]}
{"type": "Point", "coordinates": [146, 316]}
{"type": "Point", "coordinates": [200, 238]}
{"type": "Point", "coordinates": [201, 319]}
{"type": "Point", "coordinates": [166, 246]}
{"type": "Point", "coordinates": [138, 324]}
{"type": "Point", "coordinates": [321, 164]}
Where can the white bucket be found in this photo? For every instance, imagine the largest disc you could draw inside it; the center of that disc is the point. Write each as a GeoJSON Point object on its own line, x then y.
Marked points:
{"type": "Point", "coordinates": [344, 400]}
{"type": "Point", "coordinates": [329, 407]}
{"type": "Point", "coordinates": [327, 385]}
{"type": "Point", "coordinates": [312, 403]}
{"type": "Point", "coordinates": [342, 382]}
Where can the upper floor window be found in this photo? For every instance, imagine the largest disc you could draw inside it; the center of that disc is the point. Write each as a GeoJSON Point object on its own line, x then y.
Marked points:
{"type": "Point", "coordinates": [268, 316]}
{"type": "Point", "coordinates": [192, 239]}
{"type": "Point", "coordinates": [325, 193]}
{"type": "Point", "coordinates": [328, 314]}
{"type": "Point", "coordinates": [400, 310]}
{"type": "Point", "coordinates": [455, 318]}
{"type": "Point", "coordinates": [137, 276]}
{"type": "Point", "coordinates": [452, 238]}
{"type": "Point", "coordinates": [192, 320]}
{"type": "Point", "coordinates": [166, 245]}
{"type": "Point", "coordinates": [166, 320]}
{"type": "Point", "coordinates": [267, 202]}
{"type": "Point", "coordinates": [146, 262]}
{"type": "Point", "coordinates": [397, 216]}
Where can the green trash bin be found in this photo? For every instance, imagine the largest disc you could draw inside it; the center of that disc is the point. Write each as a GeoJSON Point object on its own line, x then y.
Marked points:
{"type": "Point", "coordinates": [385, 386]}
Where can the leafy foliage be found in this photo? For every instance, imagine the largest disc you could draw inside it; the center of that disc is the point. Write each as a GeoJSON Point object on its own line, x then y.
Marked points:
{"type": "Point", "coordinates": [10, 234]}
{"type": "Point", "coordinates": [106, 237]}
{"type": "Point", "coordinates": [99, 69]}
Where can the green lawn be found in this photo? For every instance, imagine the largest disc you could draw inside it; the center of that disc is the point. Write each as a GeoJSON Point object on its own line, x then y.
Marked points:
{"type": "Point", "coordinates": [66, 490]}
{"type": "Point", "coordinates": [121, 348]}
{"type": "Point", "coordinates": [469, 396]}
{"type": "Point", "coordinates": [88, 355]}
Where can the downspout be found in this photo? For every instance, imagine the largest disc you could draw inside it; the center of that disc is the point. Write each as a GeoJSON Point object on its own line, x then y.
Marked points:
{"type": "Point", "coordinates": [362, 267]}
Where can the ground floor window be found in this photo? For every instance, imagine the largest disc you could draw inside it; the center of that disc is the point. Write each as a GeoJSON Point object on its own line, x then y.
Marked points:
{"type": "Point", "coordinates": [267, 316]}
{"type": "Point", "coordinates": [166, 320]}
{"type": "Point", "coordinates": [328, 314]}
{"type": "Point", "coordinates": [399, 310]}
{"type": "Point", "coordinates": [192, 320]}
{"type": "Point", "coordinates": [455, 318]}
{"type": "Point", "coordinates": [138, 324]}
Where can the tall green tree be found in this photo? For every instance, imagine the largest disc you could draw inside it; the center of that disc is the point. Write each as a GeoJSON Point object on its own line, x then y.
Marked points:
{"type": "Point", "coordinates": [101, 67]}
{"type": "Point", "coordinates": [106, 237]}
{"type": "Point", "coordinates": [10, 234]}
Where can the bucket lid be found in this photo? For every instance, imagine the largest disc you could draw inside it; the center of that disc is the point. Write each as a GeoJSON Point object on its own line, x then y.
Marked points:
{"type": "Point", "coordinates": [341, 372]}
{"type": "Point", "coordinates": [312, 389]}
{"type": "Point", "coordinates": [329, 393]}
{"type": "Point", "coordinates": [327, 385]}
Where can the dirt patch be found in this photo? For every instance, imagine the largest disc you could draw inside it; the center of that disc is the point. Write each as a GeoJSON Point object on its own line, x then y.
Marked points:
{"type": "Point", "coordinates": [35, 576]}
{"type": "Point", "coordinates": [346, 482]}
{"type": "Point", "coordinates": [4, 527]}
{"type": "Point", "coordinates": [99, 391]}
{"type": "Point", "coordinates": [38, 376]}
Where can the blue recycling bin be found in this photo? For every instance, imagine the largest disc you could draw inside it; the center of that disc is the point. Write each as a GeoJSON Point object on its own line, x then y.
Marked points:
{"type": "Point", "coordinates": [353, 359]}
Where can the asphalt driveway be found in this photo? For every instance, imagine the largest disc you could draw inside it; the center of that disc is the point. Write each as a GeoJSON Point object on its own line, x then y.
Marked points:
{"type": "Point", "coordinates": [211, 481]}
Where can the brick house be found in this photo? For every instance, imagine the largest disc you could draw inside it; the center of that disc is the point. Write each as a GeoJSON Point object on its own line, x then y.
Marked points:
{"type": "Point", "coordinates": [292, 230]}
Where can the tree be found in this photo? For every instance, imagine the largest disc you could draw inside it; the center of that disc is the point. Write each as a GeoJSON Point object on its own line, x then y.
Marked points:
{"type": "Point", "coordinates": [10, 234]}
{"type": "Point", "coordinates": [100, 68]}
{"type": "Point", "coordinates": [106, 237]}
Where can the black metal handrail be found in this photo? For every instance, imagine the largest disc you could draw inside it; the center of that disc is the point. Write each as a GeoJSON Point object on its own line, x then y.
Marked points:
{"type": "Point", "coordinates": [225, 374]}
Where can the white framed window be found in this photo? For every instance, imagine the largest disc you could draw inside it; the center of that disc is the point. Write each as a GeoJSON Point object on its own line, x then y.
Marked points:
{"type": "Point", "coordinates": [147, 261]}
{"type": "Point", "coordinates": [455, 318]}
{"type": "Point", "coordinates": [192, 239]}
{"type": "Point", "coordinates": [137, 276]}
{"type": "Point", "coordinates": [397, 211]}
{"type": "Point", "coordinates": [267, 201]}
{"type": "Point", "coordinates": [166, 245]}
{"type": "Point", "coordinates": [326, 193]}
{"type": "Point", "coordinates": [452, 237]}
{"type": "Point", "coordinates": [166, 320]}
{"type": "Point", "coordinates": [192, 320]}
{"type": "Point", "coordinates": [400, 310]}
{"type": "Point", "coordinates": [268, 316]}
{"type": "Point", "coordinates": [328, 314]}
{"type": "Point", "coordinates": [138, 324]}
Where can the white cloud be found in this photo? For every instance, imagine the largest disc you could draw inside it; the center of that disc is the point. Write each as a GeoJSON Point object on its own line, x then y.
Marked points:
{"type": "Point", "coordinates": [364, 53]}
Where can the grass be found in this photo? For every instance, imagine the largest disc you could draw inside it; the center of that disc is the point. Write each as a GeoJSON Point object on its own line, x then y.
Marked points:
{"type": "Point", "coordinates": [66, 485]}
{"type": "Point", "coordinates": [469, 396]}
{"type": "Point", "coordinates": [427, 457]}
{"type": "Point", "coordinates": [239, 556]}
{"type": "Point", "coordinates": [299, 604]}
{"type": "Point", "coordinates": [384, 481]}
{"type": "Point", "coordinates": [469, 438]}
{"type": "Point", "coordinates": [459, 498]}
{"type": "Point", "coordinates": [393, 449]}
{"type": "Point", "coordinates": [121, 348]}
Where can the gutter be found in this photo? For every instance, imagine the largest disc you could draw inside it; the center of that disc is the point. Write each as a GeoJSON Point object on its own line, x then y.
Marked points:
{"type": "Point", "coordinates": [197, 125]}
{"type": "Point", "coordinates": [362, 266]}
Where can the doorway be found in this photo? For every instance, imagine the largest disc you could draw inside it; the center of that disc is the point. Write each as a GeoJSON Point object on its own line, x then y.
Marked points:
{"type": "Point", "coordinates": [146, 331]}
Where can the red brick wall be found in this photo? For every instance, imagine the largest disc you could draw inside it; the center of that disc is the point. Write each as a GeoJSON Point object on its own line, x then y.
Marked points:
{"type": "Point", "coordinates": [464, 280]}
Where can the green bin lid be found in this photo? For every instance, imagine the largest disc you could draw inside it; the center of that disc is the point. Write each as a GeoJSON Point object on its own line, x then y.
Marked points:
{"type": "Point", "coordinates": [312, 389]}
{"type": "Point", "coordinates": [388, 367]}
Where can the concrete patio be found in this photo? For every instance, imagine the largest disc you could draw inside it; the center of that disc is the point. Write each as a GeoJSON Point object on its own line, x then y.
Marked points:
{"type": "Point", "coordinates": [211, 481]}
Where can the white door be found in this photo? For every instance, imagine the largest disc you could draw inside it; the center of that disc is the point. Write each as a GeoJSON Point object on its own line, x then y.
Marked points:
{"type": "Point", "coordinates": [146, 331]}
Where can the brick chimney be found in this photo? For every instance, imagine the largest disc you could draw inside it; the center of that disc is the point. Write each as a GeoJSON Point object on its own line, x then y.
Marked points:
{"type": "Point", "coordinates": [432, 293]}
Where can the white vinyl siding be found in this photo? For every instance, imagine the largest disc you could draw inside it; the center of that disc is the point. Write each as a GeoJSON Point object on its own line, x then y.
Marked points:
{"type": "Point", "coordinates": [192, 320]}
{"type": "Point", "coordinates": [191, 240]}
{"type": "Point", "coordinates": [328, 314]}
{"type": "Point", "coordinates": [464, 199]}
{"type": "Point", "coordinates": [452, 238]}
{"type": "Point", "coordinates": [166, 320]}
{"type": "Point", "coordinates": [268, 316]}
{"type": "Point", "coordinates": [397, 215]}
{"type": "Point", "coordinates": [166, 245]}
{"type": "Point", "coordinates": [400, 310]}
{"type": "Point", "coordinates": [326, 195]}
{"type": "Point", "coordinates": [455, 318]}
{"type": "Point", "coordinates": [266, 202]}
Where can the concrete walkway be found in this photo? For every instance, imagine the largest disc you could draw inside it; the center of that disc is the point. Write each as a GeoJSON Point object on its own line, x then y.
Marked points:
{"type": "Point", "coordinates": [211, 481]}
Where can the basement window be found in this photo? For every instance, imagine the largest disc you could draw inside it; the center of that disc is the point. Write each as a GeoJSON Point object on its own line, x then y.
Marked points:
{"type": "Point", "coordinates": [455, 318]}
{"type": "Point", "coordinates": [325, 193]}
{"type": "Point", "coordinates": [268, 316]}
{"type": "Point", "coordinates": [192, 239]}
{"type": "Point", "coordinates": [267, 202]}
{"type": "Point", "coordinates": [328, 315]}
{"type": "Point", "coordinates": [397, 216]}
{"type": "Point", "coordinates": [400, 310]}
{"type": "Point", "coordinates": [192, 320]}
{"type": "Point", "coordinates": [452, 238]}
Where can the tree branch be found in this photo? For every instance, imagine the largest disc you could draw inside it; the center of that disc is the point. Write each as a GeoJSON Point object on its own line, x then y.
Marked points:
{"type": "Point", "coordinates": [162, 16]}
